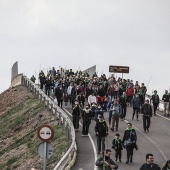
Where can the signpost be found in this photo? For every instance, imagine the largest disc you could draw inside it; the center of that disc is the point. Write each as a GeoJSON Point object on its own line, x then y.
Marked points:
{"type": "Point", "coordinates": [45, 150]}
{"type": "Point", "coordinates": [119, 69]}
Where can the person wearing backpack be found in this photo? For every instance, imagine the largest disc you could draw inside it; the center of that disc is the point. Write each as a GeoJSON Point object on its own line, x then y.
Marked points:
{"type": "Point", "coordinates": [129, 141]}
{"type": "Point", "coordinates": [149, 165]}
{"type": "Point", "coordinates": [146, 110]}
{"type": "Point", "coordinates": [116, 111]}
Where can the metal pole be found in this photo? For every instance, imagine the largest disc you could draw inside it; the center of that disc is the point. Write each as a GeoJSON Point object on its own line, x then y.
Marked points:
{"type": "Point", "coordinates": [45, 155]}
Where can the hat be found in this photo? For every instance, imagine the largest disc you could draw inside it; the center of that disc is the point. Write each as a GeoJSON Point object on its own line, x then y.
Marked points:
{"type": "Point", "coordinates": [117, 134]}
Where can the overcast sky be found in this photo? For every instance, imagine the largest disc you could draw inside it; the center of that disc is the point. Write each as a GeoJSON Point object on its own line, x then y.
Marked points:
{"type": "Point", "coordinates": [82, 33]}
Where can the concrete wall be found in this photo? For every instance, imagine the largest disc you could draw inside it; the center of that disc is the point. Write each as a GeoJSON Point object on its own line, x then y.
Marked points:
{"type": "Point", "coordinates": [90, 70]}
{"type": "Point", "coordinates": [17, 80]}
{"type": "Point", "coordinates": [14, 70]}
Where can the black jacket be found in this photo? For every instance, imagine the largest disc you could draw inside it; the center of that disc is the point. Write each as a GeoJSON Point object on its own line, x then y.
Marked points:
{"type": "Point", "coordinates": [101, 128]}
{"type": "Point", "coordinates": [123, 101]}
{"type": "Point", "coordinates": [165, 98]}
{"type": "Point", "coordinates": [117, 144]}
{"type": "Point", "coordinates": [155, 99]}
{"type": "Point", "coordinates": [76, 110]}
{"type": "Point", "coordinates": [150, 167]}
{"type": "Point", "coordinates": [87, 115]}
{"type": "Point", "coordinates": [130, 133]}
{"type": "Point", "coordinates": [146, 109]}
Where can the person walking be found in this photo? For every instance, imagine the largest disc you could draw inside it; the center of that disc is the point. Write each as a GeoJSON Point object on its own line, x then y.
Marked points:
{"type": "Point", "coordinates": [129, 94]}
{"type": "Point", "coordinates": [155, 101]}
{"type": "Point", "coordinates": [86, 116]}
{"type": "Point", "coordinates": [105, 162]}
{"type": "Point", "coordinates": [76, 115]}
{"type": "Point", "coordinates": [166, 165]}
{"type": "Point", "coordinates": [146, 110]}
{"type": "Point", "coordinates": [149, 165]}
{"type": "Point", "coordinates": [166, 101]}
{"type": "Point", "coordinates": [116, 112]}
{"type": "Point", "coordinates": [117, 146]}
{"type": "Point", "coordinates": [136, 106]}
{"type": "Point", "coordinates": [101, 130]}
{"type": "Point", "coordinates": [123, 103]}
{"type": "Point", "coordinates": [129, 141]}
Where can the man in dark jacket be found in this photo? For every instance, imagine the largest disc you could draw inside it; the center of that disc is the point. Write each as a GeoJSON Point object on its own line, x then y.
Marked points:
{"type": "Point", "coordinates": [101, 130]}
{"type": "Point", "coordinates": [76, 115]}
{"type": "Point", "coordinates": [130, 136]}
{"type": "Point", "coordinates": [149, 165]}
{"type": "Point", "coordinates": [155, 101]}
{"type": "Point", "coordinates": [146, 110]}
{"type": "Point", "coordinates": [123, 103]}
{"type": "Point", "coordinates": [86, 116]}
{"type": "Point", "coordinates": [136, 106]}
{"type": "Point", "coordinates": [166, 100]}
{"type": "Point", "coordinates": [105, 162]}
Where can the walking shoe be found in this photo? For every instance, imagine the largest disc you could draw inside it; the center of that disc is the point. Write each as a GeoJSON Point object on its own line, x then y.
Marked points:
{"type": "Point", "coordinates": [148, 129]}
{"type": "Point", "coordinates": [98, 152]}
{"type": "Point", "coordinates": [112, 129]}
{"type": "Point", "coordinates": [131, 161]}
{"type": "Point", "coordinates": [127, 162]}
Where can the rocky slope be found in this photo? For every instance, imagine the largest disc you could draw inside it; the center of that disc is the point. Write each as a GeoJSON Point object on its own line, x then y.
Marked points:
{"type": "Point", "coordinates": [19, 120]}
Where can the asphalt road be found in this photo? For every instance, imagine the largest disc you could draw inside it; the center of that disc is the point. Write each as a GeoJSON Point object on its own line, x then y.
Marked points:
{"type": "Point", "coordinates": [156, 141]}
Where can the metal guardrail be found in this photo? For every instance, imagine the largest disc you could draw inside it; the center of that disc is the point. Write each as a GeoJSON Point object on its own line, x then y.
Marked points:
{"type": "Point", "coordinates": [58, 113]}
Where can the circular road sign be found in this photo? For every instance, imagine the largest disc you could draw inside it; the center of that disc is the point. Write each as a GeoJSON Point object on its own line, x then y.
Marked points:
{"type": "Point", "coordinates": [45, 133]}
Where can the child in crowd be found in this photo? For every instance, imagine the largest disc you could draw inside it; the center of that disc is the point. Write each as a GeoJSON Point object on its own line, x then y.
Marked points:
{"type": "Point", "coordinates": [117, 146]}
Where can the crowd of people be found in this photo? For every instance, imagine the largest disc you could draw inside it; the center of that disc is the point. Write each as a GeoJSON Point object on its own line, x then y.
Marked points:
{"type": "Point", "coordinates": [91, 97]}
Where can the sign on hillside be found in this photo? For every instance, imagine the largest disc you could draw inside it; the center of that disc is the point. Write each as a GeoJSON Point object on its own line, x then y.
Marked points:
{"type": "Point", "coordinates": [45, 133]}
{"type": "Point", "coordinates": [119, 69]}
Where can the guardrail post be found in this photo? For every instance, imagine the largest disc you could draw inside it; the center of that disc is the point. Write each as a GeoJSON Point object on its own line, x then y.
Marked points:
{"type": "Point", "coordinates": [55, 113]}
{"type": "Point", "coordinates": [64, 120]}
{"type": "Point", "coordinates": [41, 99]}
{"type": "Point", "coordinates": [37, 94]}
{"type": "Point", "coordinates": [48, 105]}
{"type": "Point", "coordinates": [59, 118]}
{"type": "Point", "coordinates": [51, 112]}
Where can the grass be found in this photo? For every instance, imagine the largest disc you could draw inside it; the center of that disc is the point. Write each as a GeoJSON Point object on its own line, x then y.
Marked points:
{"type": "Point", "coordinates": [13, 121]}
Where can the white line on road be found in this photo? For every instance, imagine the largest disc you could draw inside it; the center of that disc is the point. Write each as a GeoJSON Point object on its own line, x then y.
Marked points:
{"type": "Point", "coordinates": [162, 116]}
{"type": "Point", "coordinates": [92, 142]}
{"type": "Point", "coordinates": [159, 149]}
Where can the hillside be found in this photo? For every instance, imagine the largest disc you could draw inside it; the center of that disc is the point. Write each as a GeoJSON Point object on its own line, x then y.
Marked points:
{"type": "Point", "coordinates": [19, 120]}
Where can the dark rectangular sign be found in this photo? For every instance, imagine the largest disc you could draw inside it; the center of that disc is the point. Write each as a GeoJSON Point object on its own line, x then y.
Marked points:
{"type": "Point", "coordinates": [119, 69]}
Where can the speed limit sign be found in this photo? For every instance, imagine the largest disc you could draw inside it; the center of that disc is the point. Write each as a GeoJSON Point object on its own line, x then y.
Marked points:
{"type": "Point", "coordinates": [45, 133]}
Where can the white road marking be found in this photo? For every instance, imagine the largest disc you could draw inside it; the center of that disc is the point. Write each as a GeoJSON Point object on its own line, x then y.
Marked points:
{"type": "Point", "coordinates": [162, 116]}
{"type": "Point", "coordinates": [159, 149]}
{"type": "Point", "coordinates": [92, 142]}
